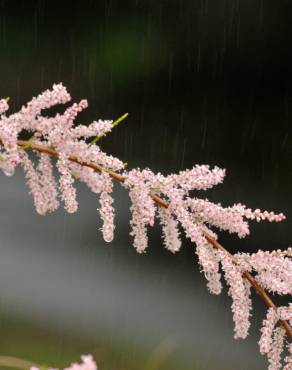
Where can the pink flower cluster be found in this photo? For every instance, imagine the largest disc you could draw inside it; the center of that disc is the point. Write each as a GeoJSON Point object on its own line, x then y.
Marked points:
{"type": "Point", "coordinates": [143, 207]}
{"type": "Point", "coordinates": [59, 133]}
{"type": "Point", "coordinates": [192, 213]}
{"type": "Point", "coordinates": [272, 341]}
{"type": "Point", "coordinates": [239, 290]}
{"type": "Point", "coordinates": [273, 272]}
{"type": "Point", "coordinates": [209, 261]}
{"type": "Point", "coordinates": [196, 216]}
{"type": "Point", "coordinates": [170, 230]}
{"type": "Point", "coordinates": [87, 363]}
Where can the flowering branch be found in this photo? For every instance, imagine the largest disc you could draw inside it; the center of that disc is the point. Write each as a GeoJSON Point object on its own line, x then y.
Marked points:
{"type": "Point", "coordinates": [162, 203]}
{"type": "Point", "coordinates": [167, 197]}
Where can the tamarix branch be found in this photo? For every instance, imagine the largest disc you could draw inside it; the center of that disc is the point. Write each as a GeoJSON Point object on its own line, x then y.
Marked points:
{"type": "Point", "coordinates": [153, 195]}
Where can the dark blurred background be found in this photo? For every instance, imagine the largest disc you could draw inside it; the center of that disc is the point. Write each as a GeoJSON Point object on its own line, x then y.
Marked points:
{"type": "Point", "coordinates": [204, 82]}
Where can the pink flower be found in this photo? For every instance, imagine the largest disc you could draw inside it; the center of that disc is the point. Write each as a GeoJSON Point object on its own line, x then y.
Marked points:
{"type": "Point", "coordinates": [143, 207]}
{"type": "Point", "coordinates": [274, 355]}
{"type": "Point", "coordinates": [170, 231]}
{"type": "Point", "coordinates": [259, 215]}
{"type": "Point", "coordinates": [285, 312]}
{"type": "Point", "coordinates": [223, 218]}
{"type": "Point", "coordinates": [209, 261]}
{"type": "Point", "coordinates": [68, 192]}
{"type": "Point", "coordinates": [267, 330]}
{"type": "Point", "coordinates": [93, 180]}
{"type": "Point", "coordinates": [48, 183]}
{"type": "Point", "coordinates": [274, 272]}
{"type": "Point", "coordinates": [106, 210]}
{"type": "Point", "coordinates": [32, 179]}
{"type": "Point", "coordinates": [240, 294]}
{"type": "Point", "coordinates": [198, 178]}
{"type": "Point", "coordinates": [288, 359]}
{"type": "Point", "coordinates": [96, 128]}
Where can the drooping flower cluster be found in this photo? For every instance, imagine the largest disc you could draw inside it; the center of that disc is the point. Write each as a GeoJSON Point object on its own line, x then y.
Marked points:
{"type": "Point", "coordinates": [239, 290]}
{"type": "Point", "coordinates": [143, 207]}
{"type": "Point", "coordinates": [78, 158]}
{"type": "Point", "coordinates": [170, 231]}
{"type": "Point", "coordinates": [209, 261]}
{"type": "Point", "coordinates": [87, 363]}
{"type": "Point", "coordinates": [272, 341]}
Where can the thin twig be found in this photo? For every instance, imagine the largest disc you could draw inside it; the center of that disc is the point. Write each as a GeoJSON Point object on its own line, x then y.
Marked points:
{"type": "Point", "coordinates": [119, 178]}
{"type": "Point", "coordinates": [16, 363]}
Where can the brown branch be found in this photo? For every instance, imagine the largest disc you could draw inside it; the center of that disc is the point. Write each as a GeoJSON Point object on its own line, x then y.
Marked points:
{"type": "Point", "coordinates": [119, 178]}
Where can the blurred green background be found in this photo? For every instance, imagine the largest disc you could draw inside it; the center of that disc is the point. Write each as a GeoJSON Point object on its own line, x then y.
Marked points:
{"type": "Point", "coordinates": [203, 82]}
